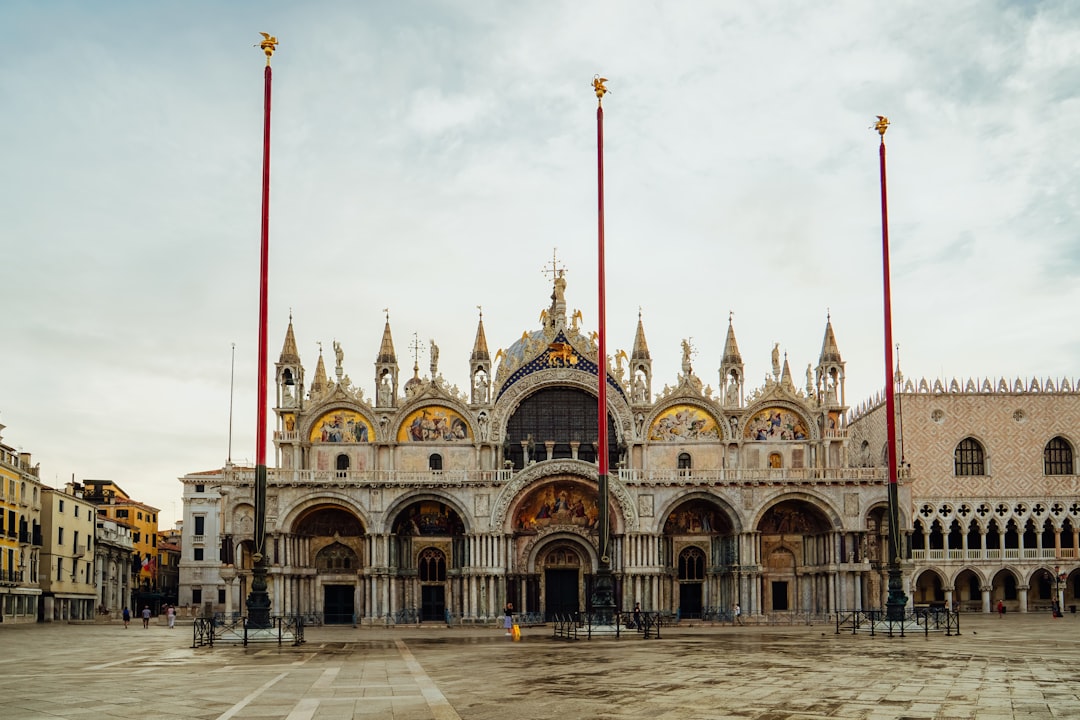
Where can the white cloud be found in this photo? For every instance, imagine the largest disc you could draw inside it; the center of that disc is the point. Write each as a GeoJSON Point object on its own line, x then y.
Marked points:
{"type": "Point", "coordinates": [428, 157]}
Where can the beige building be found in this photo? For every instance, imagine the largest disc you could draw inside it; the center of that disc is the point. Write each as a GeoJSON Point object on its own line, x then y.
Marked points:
{"type": "Point", "coordinates": [426, 501]}
{"type": "Point", "coordinates": [67, 555]}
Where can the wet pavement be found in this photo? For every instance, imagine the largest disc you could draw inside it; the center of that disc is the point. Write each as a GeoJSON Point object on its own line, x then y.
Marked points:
{"type": "Point", "coordinates": [1017, 667]}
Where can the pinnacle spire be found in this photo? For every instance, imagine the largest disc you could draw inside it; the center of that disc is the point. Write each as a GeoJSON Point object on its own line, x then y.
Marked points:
{"type": "Point", "coordinates": [830, 352]}
{"type": "Point", "coordinates": [731, 348]}
{"type": "Point", "coordinates": [321, 382]}
{"type": "Point", "coordinates": [289, 353]}
{"type": "Point", "coordinates": [785, 375]}
{"type": "Point", "coordinates": [641, 348]}
{"type": "Point", "coordinates": [386, 349]}
{"type": "Point", "coordinates": [480, 348]}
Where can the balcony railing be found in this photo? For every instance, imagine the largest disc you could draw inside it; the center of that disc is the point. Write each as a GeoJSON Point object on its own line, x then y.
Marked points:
{"type": "Point", "coordinates": [767, 476]}
{"type": "Point", "coordinates": [726, 476]}
{"type": "Point", "coordinates": [1034, 554]}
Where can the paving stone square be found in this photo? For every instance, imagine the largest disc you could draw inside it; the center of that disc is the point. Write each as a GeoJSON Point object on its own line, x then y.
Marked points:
{"type": "Point", "coordinates": [1018, 667]}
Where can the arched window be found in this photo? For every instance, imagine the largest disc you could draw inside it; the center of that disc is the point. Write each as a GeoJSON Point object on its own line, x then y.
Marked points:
{"type": "Point", "coordinates": [1058, 457]}
{"type": "Point", "coordinates": [342, 462]}
{"type": "Point", "coordinates": [434, 461]}
{"type": "Point", "coordinates": [692, 564]}
{"type": "Point", "coordinates": [335, 558]}
{"type": "Point", "coordinates": [432, 565]}
{"type": "Point", "coordinates": [684, 461]}
{"type": "Point", "coordinates": [969, 458]}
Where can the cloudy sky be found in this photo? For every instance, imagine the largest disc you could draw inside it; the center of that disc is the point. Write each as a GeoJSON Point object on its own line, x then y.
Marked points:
{"type": "Point", "coordinates": [430, 157]}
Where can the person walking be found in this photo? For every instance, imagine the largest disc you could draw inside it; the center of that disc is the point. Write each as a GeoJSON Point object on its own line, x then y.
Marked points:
{"type": "Point", "coordinates": [508, 618]}
{"type": "Point", "coordinates": [1001, 609]}
{"type": "Point", "coordinates": [736, 615]}
{"type": "Point", "coordinates": [126, 615]}
{"type": "Point", "coordinates": [146, 616]}
{"type": "Point", "coordinates": [637, 616]}
{"type": "Point", "coordinates": [170, 612]}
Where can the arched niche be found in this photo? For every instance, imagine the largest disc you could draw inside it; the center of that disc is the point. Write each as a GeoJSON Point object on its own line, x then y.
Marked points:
{"type": "Point", "coordinates": [328, 521]}
{"type": "Point", "coordinates": [683, 423]}
{"type": "Point", "coordinates": [428, 518]}
{"type": "Point", "coordinates": [698, 516]}
{"type": "Point", "coordinates": [341, 425]}
{"type": "Point", "coordinates": [556, 504]}
{"type": "Point", "coordinates": [434, 423]}
{"type": "Point", "coordinates": [794, 517]}
{"type": "Point", "coordinates": [776, 423]}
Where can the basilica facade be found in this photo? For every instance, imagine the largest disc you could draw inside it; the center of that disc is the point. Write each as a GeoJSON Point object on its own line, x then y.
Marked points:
{"type": "Point", "coordinates": [430, 503]}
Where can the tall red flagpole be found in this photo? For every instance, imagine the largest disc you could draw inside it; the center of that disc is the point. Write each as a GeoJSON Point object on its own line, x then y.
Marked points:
{"type": "Point", "coordinates": [603, 598]}
{"type": "Point", "coordinates": [258, 602]}
{"type": "Point", "coordinates": [896, 602]}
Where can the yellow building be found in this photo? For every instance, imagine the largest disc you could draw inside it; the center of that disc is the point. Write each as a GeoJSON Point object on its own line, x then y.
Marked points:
{"type": "Point", "coordinates": [20, 536]}
{"type": "Point", "coordinates": [67, 555]}
{"type": "Point", "coordinates": [113, 503]}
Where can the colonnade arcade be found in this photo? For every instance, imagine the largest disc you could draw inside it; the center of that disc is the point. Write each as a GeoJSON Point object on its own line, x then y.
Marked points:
{"type": "Point", "coordinates": [971, 589]}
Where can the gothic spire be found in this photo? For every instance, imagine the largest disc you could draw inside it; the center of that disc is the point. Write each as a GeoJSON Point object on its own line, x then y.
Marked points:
{"type": "Point", "coordinates": [386, 350]}
{"type": "Point", "coordinates": [480, 348]}
{"type": "Point", "coordinates": [785, 376]}
{"type": "Point", "coordinates": [289, 353]}
{"type": "Point", "coordinates": [830, 353]}
{"type": "Point", "coordinates": [641, 348]}
{"type": "Point", "coordinates": [321, 381]}
{"type": "Point", "coordinates": [731, 348]}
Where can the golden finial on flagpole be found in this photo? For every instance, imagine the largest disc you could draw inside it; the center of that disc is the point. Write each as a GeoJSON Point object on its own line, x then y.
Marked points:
{"type": "Point", "coordinates": [598, 86]}
{"type": "Point", "coordinates": [268, 45]}
{"type": "Point", "coordinates": [881, 126]}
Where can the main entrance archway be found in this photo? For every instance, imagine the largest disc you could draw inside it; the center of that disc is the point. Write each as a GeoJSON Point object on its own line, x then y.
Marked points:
{"type": "Point", "coordinates": [562, 577]}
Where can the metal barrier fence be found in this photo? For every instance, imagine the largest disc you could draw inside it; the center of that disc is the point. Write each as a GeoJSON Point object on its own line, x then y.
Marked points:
{"type": "Point", "coordinates": [923, 619]}
{"type": "Point", "coordinates": [565, 626]}
{"type": "Point", "coordinates": [282, 628]}
{"type": "Point", "coordinates": [203, 633]}
{"type": "Point", "coordinates": [568, 626]}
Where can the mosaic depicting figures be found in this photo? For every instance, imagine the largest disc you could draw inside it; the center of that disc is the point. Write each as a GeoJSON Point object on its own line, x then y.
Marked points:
{"type": "Point", "coordinates": [791, 518]}
{"type": "Point", "coordinates": [434, 423]}
{"type": "Point", "coordinates": [341, 426]}
{"type": "Point", "coordinates": [775, 424]}
{"type": "Point", "coordinates": [683, 422]}
{"type": "Point", "coordinates": [558, 504]}
{"type": "Point", "coordinates": [692, 518]}
{"type": "Point", "coordinates": [428, 518]}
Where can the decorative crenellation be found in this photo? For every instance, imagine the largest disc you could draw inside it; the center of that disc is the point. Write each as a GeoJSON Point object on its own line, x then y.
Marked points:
{"type": "Point", "coordinates": [974, 386]}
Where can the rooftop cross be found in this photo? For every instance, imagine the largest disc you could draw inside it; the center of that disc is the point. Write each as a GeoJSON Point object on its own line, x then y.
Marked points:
{"type": "Point", "coordinates": [554, 270]}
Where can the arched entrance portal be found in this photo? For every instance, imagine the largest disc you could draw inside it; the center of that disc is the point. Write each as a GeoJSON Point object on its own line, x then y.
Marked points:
{"type": "Point", "coordinates": [797, 551]}
{"type": "Point", "coordinates": [554, 528]}
{"type": "Point", "coordinates": [335, 538]}
{"type": "Point", "coordinates": [431, 569]}
{"type": "Point", "coordinates": [339, 606]}
{"type": "Point", "coordinates": [562, 577]}
{"type": "Point", "coordinates": [691, 579]}
{"type": "Point", "coordinates": [701, 549]}
{"type": "Point", "coordinates": [428, 542]}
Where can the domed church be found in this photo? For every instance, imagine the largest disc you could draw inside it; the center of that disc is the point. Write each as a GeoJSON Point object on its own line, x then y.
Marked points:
{"type": "Point", "coordinates": [426, 503]}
